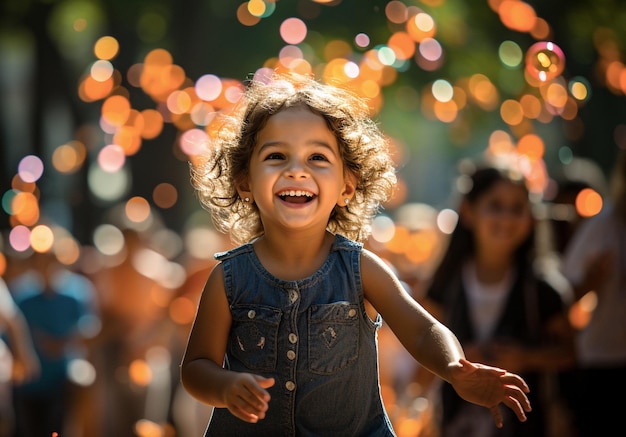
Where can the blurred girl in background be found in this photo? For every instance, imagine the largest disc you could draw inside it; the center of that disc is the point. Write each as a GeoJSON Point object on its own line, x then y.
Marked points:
{"type": "Point", "coordinates": [503, 311]}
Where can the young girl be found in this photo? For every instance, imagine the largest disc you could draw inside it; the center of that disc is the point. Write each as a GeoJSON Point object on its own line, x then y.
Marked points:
{"type": "Point", "coordinates": [284, 340]}
{"type": "Point", "coordinates": [503, 312]}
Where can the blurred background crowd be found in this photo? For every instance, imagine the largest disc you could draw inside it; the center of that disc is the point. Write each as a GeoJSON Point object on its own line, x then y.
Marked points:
{"type": "Point", "coordinates": [104, 248]}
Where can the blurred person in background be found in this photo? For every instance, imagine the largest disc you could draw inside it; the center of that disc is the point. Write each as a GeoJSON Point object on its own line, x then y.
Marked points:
{"type": "Point", "coordinates": [595, 264]}
{"type": "Point", "coordinates": [132, 356]}
{"type": "Point", "coordinates": [147, 309]}
{"type": "Point", "coordinates": [566, 211]}
{"type": "Point", "coordinates": [504, 313]}
{"type": "Point", "coordinates": [18, 360]}
{"type": "Point", "coordinates": [57, 305]}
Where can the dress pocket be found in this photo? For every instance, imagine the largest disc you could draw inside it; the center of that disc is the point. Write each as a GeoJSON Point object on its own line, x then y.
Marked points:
{"type": "Point", "coordinates": [254, 336]}
{"type": "Point", "coordinates": [333, 337]}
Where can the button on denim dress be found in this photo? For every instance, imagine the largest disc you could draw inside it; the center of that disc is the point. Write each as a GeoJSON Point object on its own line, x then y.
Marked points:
{"type": "Point", "coordinates": [314, 337]}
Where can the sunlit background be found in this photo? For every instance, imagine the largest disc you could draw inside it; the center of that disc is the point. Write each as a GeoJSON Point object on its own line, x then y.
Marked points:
{"type": "Point", "coordinates": [103, 104]}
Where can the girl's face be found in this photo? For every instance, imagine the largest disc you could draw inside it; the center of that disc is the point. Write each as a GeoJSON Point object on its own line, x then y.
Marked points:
{"type": "Point", "coordinates": [500, 219]}
{"type": "Point", "coordinates": [296, 174]}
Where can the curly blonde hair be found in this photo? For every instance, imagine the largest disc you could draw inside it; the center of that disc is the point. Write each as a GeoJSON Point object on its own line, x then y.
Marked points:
{"type": "Point", "coordinates": [363, 148]}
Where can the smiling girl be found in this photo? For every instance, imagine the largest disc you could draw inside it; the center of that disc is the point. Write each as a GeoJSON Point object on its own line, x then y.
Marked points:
{"type": "Point", "coordinates": [285, 337]}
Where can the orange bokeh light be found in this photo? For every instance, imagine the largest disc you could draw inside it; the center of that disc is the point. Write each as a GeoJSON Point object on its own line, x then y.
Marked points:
{"type": "Point", "coordinates": [517, 15]}
{"type": "Point", "coordinates": [402, 45]}
{"type": "Point", "coordinates": [116, 110]}
{"type": "Point", "coordinates": [106, 48]}
{"type": "Point", "coordinates": [137, 209]}
{"type": "Point", "coordinates": [588, 202]}
{"type": "Point", "coordinates": [531, 146]}
{"type": "Point", "coordinates": [140, 372]}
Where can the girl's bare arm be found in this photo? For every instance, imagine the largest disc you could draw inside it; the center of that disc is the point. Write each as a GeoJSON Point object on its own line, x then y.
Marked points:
{"type": "Point", "coordinates": [202, 374]}
{"type": "Point", "coordinates": [436, 348]}
{"type": "Point", "coordinates": [427, 340]}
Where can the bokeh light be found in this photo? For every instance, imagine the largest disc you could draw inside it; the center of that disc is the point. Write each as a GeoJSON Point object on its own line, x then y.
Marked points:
{"type": "Point", "coordinates": [81, 372]}
{"type": "Point", "coordinates": [194, 142]}
{"type": "Point", "coordinates": [41, 238]}
{"type": "Point", "coordinates": [140, 372]}
{"type": "Point", "coordinates": [421, 27]}
{"type": "Point", "coordinates": [544, 60]}
{"type": "Point", "coordinates": [19, 238]}
{"type": "Point", "coordinates": [511, 112]}
{"type": "Point", "coordinates": [69, 157]}
{"type": "Point", "coordinates": [245, 17]}
{"type": "Point", "coordinates": [580, 89]}
{"type": "Point", "coordinates": [447, 220]}
{"type": "Point", "coordinates": [137, 209]}
{"type": "Point", "coordinates": [108, 239]}
{"type": "Point", "coordinates": [25, 208]}
{"type": "Point", "coordinates": [116, 110]}
{"type": "Point", "coordinates": [106, 48]}
{"type": "Point", "coordinates": [517, 15]}
{"type": "Point", "coordinates": [396, 12]}
{"type": "Point", "coordinates": [531, 146]}
{"type": "Point", "coordinates": [293, 30]}
{"type": "Point", "coordinates": [108, 186]}
{"type": "Point", "coordinates": [165, 195]}
{"type": "Point", "coordinates": [101, 71]}
{"type": "Point", "coordinates": [588, 202]}
{"type": "Point", "coordinates": [362, 40]}
{"type": "Point", "coordinates": [111, 158]}
{"type": "Point", "coordinates": [510, 54]}
{"type": "Point", "coordinates": [383, 229]}
{"type": "Point", "coordinates": [30, 168]}
{"type": "Point", "coordinates": [208, 87]}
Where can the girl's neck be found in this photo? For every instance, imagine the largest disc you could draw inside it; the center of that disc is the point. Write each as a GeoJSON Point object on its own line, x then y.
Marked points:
{"type": "Point", "coordinates": [293, 257]}
{"type": "Point", "coordinates": [492, 269]}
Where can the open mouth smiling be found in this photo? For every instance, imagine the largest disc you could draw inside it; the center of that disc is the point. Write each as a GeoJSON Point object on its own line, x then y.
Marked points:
{"type": "Point", "coordinates": [296, 196]}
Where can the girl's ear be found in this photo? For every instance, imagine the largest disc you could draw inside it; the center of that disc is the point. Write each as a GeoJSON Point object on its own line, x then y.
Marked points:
{"type": "Point", "coordinates": [349, 188]}
{"type": "Point", "coordinates": [243, 189]}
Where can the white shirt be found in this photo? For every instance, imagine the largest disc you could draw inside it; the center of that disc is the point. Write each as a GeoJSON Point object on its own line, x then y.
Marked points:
{"type": "Point", "coordinates": [485, 301]}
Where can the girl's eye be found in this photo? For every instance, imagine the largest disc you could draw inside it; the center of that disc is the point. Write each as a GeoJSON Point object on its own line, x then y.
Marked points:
{"type": "Point", "coordinates": [497, 208]}
{"type": "Point", "coordinates": [274, 155]}
{"type": "Point", "coordinates": [318, 158]}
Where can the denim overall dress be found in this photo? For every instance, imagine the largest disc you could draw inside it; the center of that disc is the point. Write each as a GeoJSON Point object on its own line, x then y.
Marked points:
{"type": "Point", "coordinates": [314, 337]}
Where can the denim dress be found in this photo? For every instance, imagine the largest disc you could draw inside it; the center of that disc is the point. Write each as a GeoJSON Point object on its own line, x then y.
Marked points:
{"type": "Point", "coordinates": [314, 337]}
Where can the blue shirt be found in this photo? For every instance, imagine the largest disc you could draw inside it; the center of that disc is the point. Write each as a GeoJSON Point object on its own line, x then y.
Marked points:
{"type": "Point", "coordinates": [57, 314]}
{"type": "Point", "coordinates": [314, 337]}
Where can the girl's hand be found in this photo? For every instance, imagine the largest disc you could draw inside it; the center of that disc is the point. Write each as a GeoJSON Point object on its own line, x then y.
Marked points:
{"type": "Point", "coordinates": [489, 386]}
{"type": "Point", "coordinates": [246, 397]}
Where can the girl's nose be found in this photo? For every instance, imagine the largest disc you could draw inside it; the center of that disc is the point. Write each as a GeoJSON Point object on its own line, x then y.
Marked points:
{"type": "Point", "coordinates": [295, 170]}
